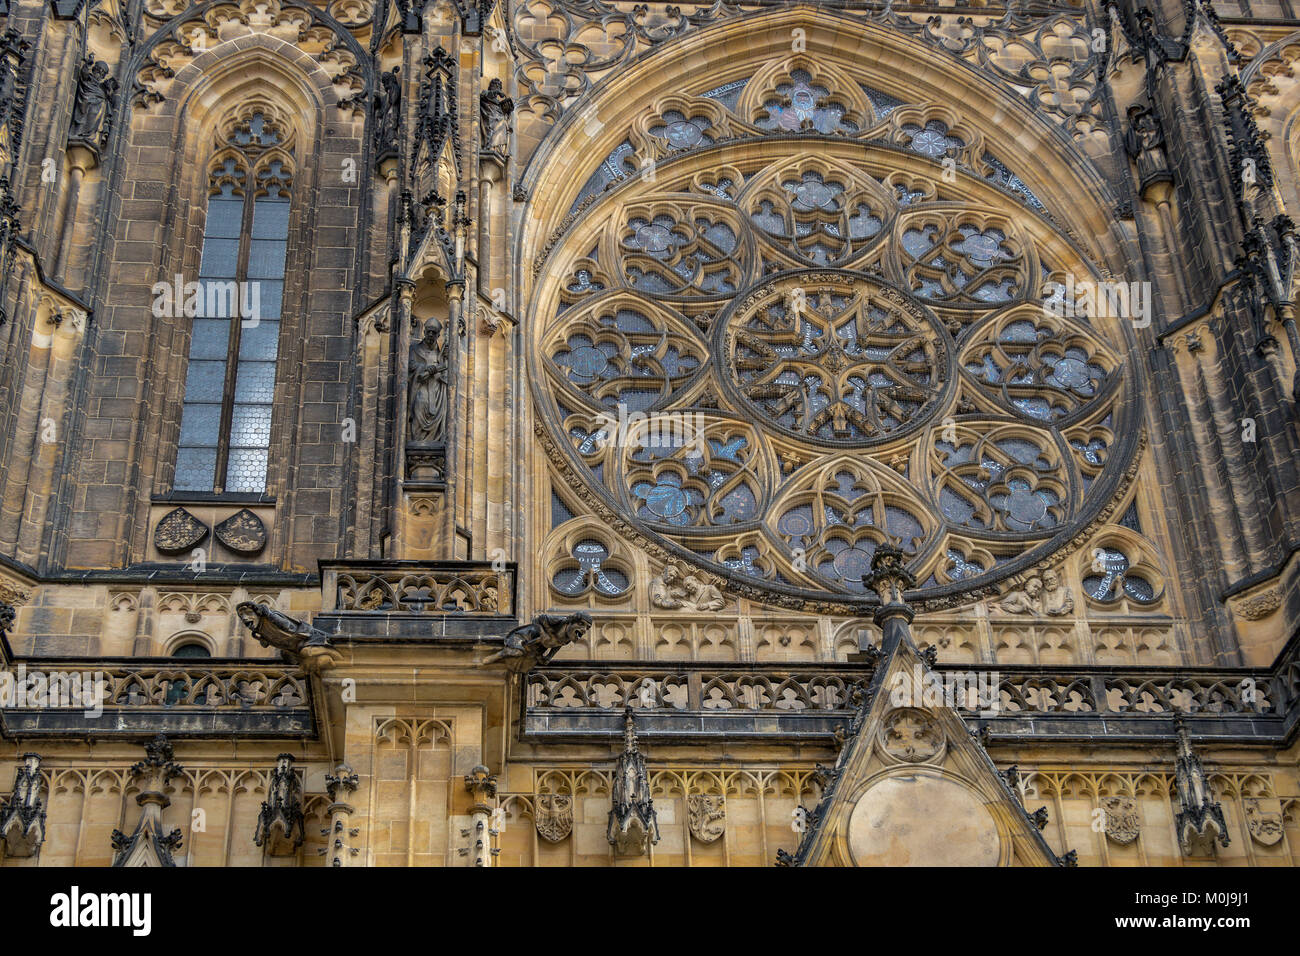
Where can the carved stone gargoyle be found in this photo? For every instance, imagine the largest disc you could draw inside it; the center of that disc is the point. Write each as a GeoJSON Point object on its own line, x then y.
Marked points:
{"type": "Point", "coordinates": [540, 640]}
{"type": "Point", "coordinates": [280, 824]}
{"type": "Point", "coordinates": [148, 845]}
{"type": "Point", "coordinates": [298, 641]}
{"type": "Point", "coordinates": [633, 824]}
{"type": "Point", "coordinates": [22, 816]}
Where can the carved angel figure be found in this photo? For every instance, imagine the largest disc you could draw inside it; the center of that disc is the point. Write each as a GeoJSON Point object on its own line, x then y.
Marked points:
{"type": "Point", "coordinates": [540, 640]}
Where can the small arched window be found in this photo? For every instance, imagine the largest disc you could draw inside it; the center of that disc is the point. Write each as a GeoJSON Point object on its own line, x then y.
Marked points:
{"type": "Point", "coordinates": [235, 307]}
{"type": "Point", "coordinates": [191, 650]}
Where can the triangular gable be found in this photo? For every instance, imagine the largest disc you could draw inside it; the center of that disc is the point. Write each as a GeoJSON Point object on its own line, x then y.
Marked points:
{"type": "Point", "coordinates": [912, 785]}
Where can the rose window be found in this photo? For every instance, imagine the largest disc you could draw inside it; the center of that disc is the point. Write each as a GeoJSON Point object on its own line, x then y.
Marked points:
{"type": "Point", "coordinates": [772, 362]}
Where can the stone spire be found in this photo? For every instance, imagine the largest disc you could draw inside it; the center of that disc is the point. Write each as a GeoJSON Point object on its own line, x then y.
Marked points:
{"type": "Point", "coordinates": [889, 577]}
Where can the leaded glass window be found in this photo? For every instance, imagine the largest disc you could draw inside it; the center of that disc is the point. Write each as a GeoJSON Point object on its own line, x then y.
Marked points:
{"type": "Point", "coordinates": [230, 381]}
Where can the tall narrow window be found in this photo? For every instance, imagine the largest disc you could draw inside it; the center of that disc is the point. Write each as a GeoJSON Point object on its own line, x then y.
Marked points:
{"type": "Point", "coordinates": [230, 383]}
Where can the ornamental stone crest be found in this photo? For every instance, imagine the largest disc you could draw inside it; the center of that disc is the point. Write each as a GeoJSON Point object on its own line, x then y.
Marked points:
{"type": "Point", "coordinates": [1122, 821]}
{"type": "Point", "coordinates": [179, 532]}
{"type": "Point", "coordinates": [706, 816]}
{"type": "Point", "coordinates": [553, 816]}
{"type": "Point", "coordinates": [243, 533]}
{"type": "Point", "coordinates": [1265, 825]}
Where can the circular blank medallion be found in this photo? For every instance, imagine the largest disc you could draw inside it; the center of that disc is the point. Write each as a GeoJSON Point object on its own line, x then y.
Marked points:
{"type": "Point", "coordinates": [922, 820]}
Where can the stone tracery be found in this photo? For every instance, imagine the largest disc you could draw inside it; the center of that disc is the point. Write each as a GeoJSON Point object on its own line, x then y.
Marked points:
{"type": "Point", "coordinates": [790, 307]}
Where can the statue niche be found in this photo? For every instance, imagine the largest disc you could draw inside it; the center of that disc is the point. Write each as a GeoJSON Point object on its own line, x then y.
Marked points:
{"type": "Point", "coordinates": [94, 101]}
{"type": "Point", "coordinates": [427, 381]}
{"type": "Point", "coordinates": [494, 119]}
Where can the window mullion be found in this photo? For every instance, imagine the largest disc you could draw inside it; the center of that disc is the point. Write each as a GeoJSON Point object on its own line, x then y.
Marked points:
{"type": "Point", "coordinates": [232, 353]}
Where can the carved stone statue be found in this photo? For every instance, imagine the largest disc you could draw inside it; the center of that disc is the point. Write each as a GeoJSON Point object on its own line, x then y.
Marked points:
{"type": "Point", "coordinates": [1042, 595]}
{"type": "Point", "coordinates": [494, 116]}
{"type": "Point", "coordinates": [1145, 143]}
{"type": "Point", "coordinates": [674, 590]}
{"type": "Point", "coordinates": [427, 376]}
{"type": "Point", "coordinates": [94, 99]}
{"type": "Point", "coordinates": [272, 629]}
{"type": "Point", "coordinates": [1057, 599]}
{"type": "Point", "coordinates": [1028, 601]}
{"type": "Point", "coordinates": [539, 641]}
{"type": "Point", "coordinates": [388, 112]}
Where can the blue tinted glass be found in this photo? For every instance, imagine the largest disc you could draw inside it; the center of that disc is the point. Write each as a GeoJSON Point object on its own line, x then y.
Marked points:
{"type": "Point", "coordinates": [267, 294]}
{"type": "Point", "coordinates": [220, 298]}
{"type": "Point", "coordinates": [246, 470]}
{"type": "Point", "coordinates": [266, 259]}
{"type": "Point", "coordinates": [205, 381]}
{"type": "Point", "coordinates": [258, 342]}
{"type": "Point", "coordinates": [220, 257]}
{"type": "Point", "coordinates": [255, 382]}
{"type": "Point", "coordinates": [225, 218]}
{"type": "Point", "coordinates": [250, 426]}
{"type": "Point", "coordinates": [201, 425]}
{"type": "Point", "coordinates": [270, 219]}
{"type": "Point", "coordinates": [195, 468]}
{"type": "Point", "coordinates": [210, 339]}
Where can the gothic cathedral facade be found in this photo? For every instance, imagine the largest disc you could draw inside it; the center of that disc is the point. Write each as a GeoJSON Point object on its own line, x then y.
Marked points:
{"type": "Point", "coordinates": [586, 432]}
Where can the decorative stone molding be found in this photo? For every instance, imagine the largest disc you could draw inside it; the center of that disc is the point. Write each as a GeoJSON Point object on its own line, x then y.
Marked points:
{"type": "Point", "coordinates": [452, 587]}
{"type": "Point", "coordinates": [1259, 605]}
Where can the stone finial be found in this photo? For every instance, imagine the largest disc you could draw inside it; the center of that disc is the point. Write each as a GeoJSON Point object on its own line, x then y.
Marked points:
{"type": "Point", "coordinates": [22, 816]}
{"type": "Point", "coordinates": [280, 824]}
{"type": "Point", "coordinates": [1199, 820]}
{"type": "Point", "coordinates": [633, 824]}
